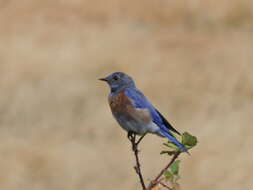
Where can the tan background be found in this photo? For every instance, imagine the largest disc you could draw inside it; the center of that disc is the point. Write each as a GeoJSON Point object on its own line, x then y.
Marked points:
{"type": "Point", "coordinates": [193, 59]}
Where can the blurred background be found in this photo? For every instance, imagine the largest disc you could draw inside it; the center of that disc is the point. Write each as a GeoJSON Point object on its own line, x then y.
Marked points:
{"type": "Point", "coordinates": [193, 59]}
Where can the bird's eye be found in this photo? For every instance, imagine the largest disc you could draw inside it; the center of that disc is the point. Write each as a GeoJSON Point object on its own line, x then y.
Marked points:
{"type": "Point", "coordinates": [115, 77]}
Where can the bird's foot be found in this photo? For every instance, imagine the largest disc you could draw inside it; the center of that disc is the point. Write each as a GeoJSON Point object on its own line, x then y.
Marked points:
{"type": "Point", "coordinates": [132, 137]}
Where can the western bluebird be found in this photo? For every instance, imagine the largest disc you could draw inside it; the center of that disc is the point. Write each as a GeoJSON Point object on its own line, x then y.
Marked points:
{"type": "Point", "coordinates": [134, 112]}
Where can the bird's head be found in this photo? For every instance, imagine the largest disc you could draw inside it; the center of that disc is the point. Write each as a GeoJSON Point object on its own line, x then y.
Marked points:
{"type": "Point", "coordinates": [118, 81]}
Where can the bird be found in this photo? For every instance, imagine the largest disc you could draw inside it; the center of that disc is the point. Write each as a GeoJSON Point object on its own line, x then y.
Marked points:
{"type": "Point", "coordinates": [134, 112]}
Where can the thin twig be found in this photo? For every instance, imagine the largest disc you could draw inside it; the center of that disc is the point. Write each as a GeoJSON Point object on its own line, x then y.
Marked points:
{"type": "Point", "coordinates": [132, 137]}
{"type": "Point", "coordinates": [138, 166]}
{"type": "Point", "coordinates": [156, 180]}
{"type": "Point", "coordinates": [138, 142]}
{"type": "Point", "coordinates": [164, 185]}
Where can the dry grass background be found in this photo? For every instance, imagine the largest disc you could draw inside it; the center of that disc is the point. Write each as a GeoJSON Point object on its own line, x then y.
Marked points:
{"type": "Point", "coordinates": [193, 59]}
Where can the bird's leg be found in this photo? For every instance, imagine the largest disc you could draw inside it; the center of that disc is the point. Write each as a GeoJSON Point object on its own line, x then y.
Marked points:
{"type": "Point", "coordinates": [130, 135]}
{"type": "Point", "coordinates": [134, 145]}
{"type": "Point", "coordinates": [132, 138]}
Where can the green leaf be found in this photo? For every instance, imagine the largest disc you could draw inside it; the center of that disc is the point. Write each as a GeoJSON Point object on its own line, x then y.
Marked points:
{"type": "Point", "coordinates": [168, 175]}
{"type": "Point", "coordinates": [171, 145]}
{"type": "Point", "coordinates": [175, 167]}
{"type": "Point", "coordinates": [177, 177]}
{"type": "Point", "coordinates": [189, 140]}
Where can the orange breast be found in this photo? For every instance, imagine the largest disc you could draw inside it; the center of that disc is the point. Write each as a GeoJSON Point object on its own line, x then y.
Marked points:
{"type": "Point", "coordinates": [121, 105]}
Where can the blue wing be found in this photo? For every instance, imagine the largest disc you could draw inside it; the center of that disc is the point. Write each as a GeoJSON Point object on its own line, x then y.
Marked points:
{"type": "Point", "coordinates": [141, 101]}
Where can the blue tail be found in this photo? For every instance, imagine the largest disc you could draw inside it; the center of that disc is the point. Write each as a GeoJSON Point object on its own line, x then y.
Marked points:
{"type": "Point", "coordinates": [174, 140]}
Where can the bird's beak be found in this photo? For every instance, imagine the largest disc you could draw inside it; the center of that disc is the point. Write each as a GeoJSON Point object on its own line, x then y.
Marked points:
{"type": "Point", "coordinates": [103, 79]}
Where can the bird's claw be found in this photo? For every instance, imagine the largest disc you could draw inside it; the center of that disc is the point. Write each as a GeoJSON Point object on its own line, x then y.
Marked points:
{"type": "Point", "coordinates": [130, 135]}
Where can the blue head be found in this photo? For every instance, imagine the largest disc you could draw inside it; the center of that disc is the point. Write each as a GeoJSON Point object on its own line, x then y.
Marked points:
{"type": "Point", "coordinates": [118, 81]}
